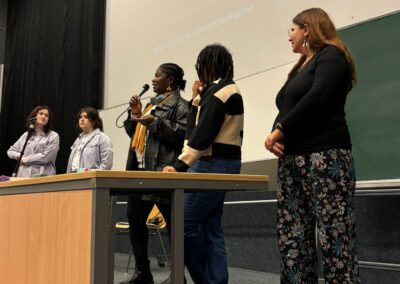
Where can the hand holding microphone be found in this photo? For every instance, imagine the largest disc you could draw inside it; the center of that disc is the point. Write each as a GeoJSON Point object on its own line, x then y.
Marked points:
{"type": "Point", "coordinates": [135, 105]}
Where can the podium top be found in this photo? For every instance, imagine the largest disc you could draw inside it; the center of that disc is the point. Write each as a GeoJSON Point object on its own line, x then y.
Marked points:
{"type": "Point", "coordinates": [139, 180]}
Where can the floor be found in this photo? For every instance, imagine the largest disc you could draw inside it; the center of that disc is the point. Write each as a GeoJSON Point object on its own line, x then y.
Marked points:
{"type": "Point", "coordinates": [236, 276]}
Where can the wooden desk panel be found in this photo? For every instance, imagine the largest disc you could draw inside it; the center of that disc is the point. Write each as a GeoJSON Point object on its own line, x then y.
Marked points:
{"type": "Point", "coordinates": [45, 237]}
{"type": "Point", "coordinates": [84, 199]}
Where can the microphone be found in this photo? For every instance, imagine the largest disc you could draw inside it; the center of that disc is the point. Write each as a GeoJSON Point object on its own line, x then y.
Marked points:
{"type": "Point", "coordinates": [32, 121]}
{"type": "Point", "coordinates": [145, 88]}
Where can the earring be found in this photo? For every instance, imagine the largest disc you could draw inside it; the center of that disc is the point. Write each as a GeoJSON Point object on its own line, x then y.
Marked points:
{"type": "Point", "coordinates": [305, 43]}
{"type": "Point", "coordinates": [169, 87]}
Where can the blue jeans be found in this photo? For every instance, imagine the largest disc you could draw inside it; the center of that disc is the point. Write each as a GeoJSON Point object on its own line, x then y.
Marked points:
{"type": "Point", "coordinates": [205, 255]}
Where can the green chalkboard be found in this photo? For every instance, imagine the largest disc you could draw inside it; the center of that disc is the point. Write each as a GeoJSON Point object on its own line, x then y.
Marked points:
{"type": "Point", "coordinates": [373, 107]}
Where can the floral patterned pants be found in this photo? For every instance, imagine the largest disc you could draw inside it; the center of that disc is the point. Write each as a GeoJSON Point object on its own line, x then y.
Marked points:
{"type": "Point", "coordinates": [315, 192]}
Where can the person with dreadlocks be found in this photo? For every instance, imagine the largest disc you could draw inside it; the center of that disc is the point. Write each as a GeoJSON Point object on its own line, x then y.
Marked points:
{"type": "Point", "coordinates": [157, 133]}
{"type": "Point", "coordinates": [212, 145]}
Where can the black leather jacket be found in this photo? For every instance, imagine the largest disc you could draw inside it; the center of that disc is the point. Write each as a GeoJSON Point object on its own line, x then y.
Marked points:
{"type": "Point", "coordinates": [165, 135]}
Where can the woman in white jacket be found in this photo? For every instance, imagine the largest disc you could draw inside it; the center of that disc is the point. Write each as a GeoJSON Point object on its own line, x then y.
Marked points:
{"type": "Point", "coordinates": [42, 146]}
{"type": "Point", "coordinates": [92, 149]}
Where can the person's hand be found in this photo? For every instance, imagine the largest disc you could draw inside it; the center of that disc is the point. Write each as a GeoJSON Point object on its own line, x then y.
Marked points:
{"type": "Point", "coordinates": [136, 105]}
{"type": "Point", "coordinates": [146, 120]}
{"type": "Point", "coordinates": [169, 169]}
{"type": "Point", "coordinates": [274, 144]}
{"type": "Point", "coordinates": [278, 149]}
{"type": "Point", "coordinates": [196, 88]}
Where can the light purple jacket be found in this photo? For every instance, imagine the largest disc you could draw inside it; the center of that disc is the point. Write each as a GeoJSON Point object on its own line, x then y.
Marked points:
{"type": "Point", "coordinates": [39, 157]}
{"type": "Point", "coordinates": [96, 154]}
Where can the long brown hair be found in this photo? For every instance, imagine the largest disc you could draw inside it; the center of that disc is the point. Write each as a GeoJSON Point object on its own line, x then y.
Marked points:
{"type": "Point", "coordinates": [321, 32]}
{"type": "Point", "coordinates": [34, 112]}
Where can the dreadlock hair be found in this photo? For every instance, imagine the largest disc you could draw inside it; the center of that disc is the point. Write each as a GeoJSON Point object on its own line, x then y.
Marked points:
{"type": "Point", "coordinates": [175, 71]}
{"type": "Point", "coordinates": [93, 116]}
{"type": "Point", "coordinates": [214, 62]}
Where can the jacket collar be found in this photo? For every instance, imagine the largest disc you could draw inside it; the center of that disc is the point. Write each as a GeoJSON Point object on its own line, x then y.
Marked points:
{"type": "Point", "coordinates": [175, 96]}
{"type": "Point", "coordinates": [93, 133]}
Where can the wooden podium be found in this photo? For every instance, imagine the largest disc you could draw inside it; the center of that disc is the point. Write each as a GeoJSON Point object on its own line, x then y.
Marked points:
{"type": "Point", "coordinates": [59, 229]}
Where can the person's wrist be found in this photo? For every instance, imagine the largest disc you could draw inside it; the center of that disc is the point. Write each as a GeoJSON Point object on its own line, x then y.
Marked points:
{"type": "Point", "coordinates": [136, 114]}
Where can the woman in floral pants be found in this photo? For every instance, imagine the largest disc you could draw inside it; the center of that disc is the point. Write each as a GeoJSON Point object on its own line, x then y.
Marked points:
{"type": "Point", "coordinates": [316, 179]}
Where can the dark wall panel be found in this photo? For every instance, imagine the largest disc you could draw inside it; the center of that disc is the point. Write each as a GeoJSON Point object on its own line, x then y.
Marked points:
{"type": "Point", "coordinates": [54, 56]}
{"type": "Point", "coordinates": [3, 28]}
{"type": "Point", "coordinates": [373, 105]}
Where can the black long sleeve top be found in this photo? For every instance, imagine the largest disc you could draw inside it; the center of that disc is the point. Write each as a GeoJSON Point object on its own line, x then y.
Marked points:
{"type": "Point", "coordinates": [311, 104]}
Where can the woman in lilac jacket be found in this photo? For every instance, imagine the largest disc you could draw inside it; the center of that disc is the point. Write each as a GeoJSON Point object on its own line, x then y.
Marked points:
{"type": "Point", "coordinates": [42, 146]}
{"type": "Point", "coordinates": [92, 149]}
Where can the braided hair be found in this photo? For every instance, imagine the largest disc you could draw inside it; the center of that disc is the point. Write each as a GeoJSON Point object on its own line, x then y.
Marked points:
{"type": "Point", "coordinates": [174, 70]}
{"type": "Point", "coordinates": [214, 62]}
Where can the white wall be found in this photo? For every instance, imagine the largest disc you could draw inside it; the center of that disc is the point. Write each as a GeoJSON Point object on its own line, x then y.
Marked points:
{"type": "Point", "coordinates": [140, 35]}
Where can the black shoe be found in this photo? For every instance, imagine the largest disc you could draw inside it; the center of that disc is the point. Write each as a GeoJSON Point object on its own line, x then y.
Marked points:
{"type": "Point", "coordinates": [168, 280]}
{"type": "Point", "coordinates": [139, 278]}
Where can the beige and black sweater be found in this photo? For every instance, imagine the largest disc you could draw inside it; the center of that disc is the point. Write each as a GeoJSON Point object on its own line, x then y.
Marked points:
{"type": "Point", "coordinates": [214, 125]}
